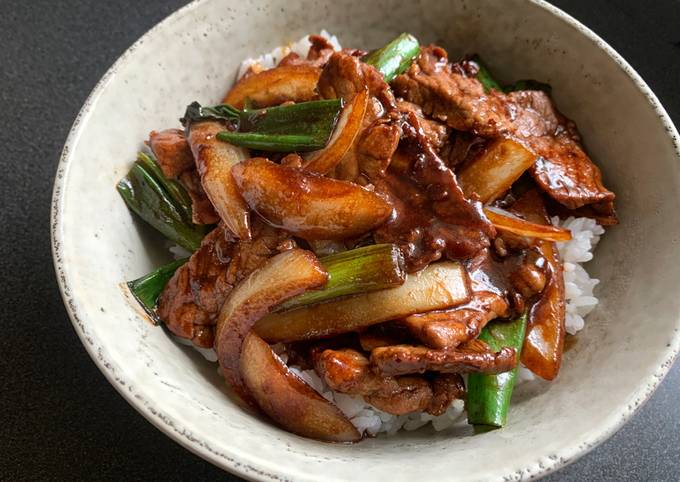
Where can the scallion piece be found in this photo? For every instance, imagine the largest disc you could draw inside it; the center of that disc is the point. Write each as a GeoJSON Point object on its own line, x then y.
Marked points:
{"type": "Point", "coordinates": [145, 190]}
{"type": "Point", "coordinates": [395, 57]}
{"type": "Point", "coordinates": [359, 270]}
{"type": "Point", "coordinates": [488, 398]}
{"type": "Point", "coordinates": [306, 126]}
{"type": "Point", "coordinates": [484, 75]}
{"type": "Point", "coordinates": [147, 289]}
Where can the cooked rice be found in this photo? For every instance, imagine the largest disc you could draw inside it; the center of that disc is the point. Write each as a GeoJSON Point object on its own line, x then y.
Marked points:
{"type": "Point", "coordinates": [267, 61]}
{"type": "Point", "coordinates": [578, 292]}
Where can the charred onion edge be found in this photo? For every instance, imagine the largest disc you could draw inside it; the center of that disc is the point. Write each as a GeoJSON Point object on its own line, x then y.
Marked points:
{"type": "Point", "coordinates": [285, 275]}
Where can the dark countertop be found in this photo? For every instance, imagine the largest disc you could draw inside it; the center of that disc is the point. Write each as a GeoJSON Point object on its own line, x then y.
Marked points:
{"type": "Point", "coordinates": [60, 419]}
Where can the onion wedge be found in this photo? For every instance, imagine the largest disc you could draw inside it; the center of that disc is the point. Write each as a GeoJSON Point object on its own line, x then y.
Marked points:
{"type": "Point", "coordinates": [214, 160]}
{"type": "Point", "coordinates": [504, 221]}
{"type": "Point", "coordinates": [287, 399]}
{"type": "Point", "coordinates": [346, 130]}
{"type": "Point", "coordinates": [439, 286]}
{"type": "Point", "coordinates": [285, 275]}
{"type": "Point", "coordinates": [307, 204]}
{"type": "Point", "coordinates": [275, 86]}
{"type": "Point", "coordinates": [501, 163]}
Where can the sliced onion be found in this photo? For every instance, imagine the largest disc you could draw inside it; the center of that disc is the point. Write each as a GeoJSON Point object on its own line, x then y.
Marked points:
{"type": "Point", "coordinates": [505, 221]}
{"type": "Point", "coordinates": [214, 160]}
{"type": "Point", "coordinates": [275, 86]}
{"type": "Point", "coordinates": [492, 173]}
{"type": "Point", "coordinates": [285, 275]}
{"type": "Point", "coordinates": [307, 204]}
{"type": "Point", "coordinates": [287, 399]}
{"type": "Point", "coordinates": [436, 287]}
{"type": "Point", "coordinates": [346, 130]}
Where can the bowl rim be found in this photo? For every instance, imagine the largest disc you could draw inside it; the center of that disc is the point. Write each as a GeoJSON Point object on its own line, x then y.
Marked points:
{"type": "Point", "coordinates": [250, 469]}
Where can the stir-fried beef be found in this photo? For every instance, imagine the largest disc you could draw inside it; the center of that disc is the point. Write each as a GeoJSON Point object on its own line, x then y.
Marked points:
{"type": "Point", "coordinates": [436, 133]}
{"type": "Point", "coordinates": [470, 357]}
{"type": "Point", "coordinates": [172, 151]}
{"type": "Point", "coordinates": [563, 169]}
{"type": "Point", "coordinates": [450, 328]}
{"type": "Point", "coordinates": [348, 371]}
{"type": "Point", "coordinates": [192, 299]}
{"type": "Point", "coordinates": [432, 216]}
{"type": "Point", "coordinates": [344, 76]}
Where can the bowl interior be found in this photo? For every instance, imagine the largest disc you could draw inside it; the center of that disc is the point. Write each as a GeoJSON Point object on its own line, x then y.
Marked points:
{"type": "Point", "coordinates": [618, 359]}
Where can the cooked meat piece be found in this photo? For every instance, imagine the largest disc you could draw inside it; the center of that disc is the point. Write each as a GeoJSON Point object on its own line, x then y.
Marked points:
{"type": "Point", "coordinates": [172, 151]}
{"type": "Point", "coordinates": [384, 334]}
{"type": "Point", "coordinates": [451, 97]}
{"type": "Point", "coordinates": [563, 170]}
{"type": "Point", "coordinates": [463, 148]}
{"type": "Point", "coordinates": [319, 53]}
{"type": "Point", "coordinates": [193, 296]}
{"type": "Point", "coordinates": [432, 216]}
{"type": "Point", "coordinates": [446, 387]}
{"type": "Point", "coordinates": [467, 358]}
{"type": "Point", "coordinates": [202, 210]}
{"type": "Point", "coordinates": [348, 371]}
{"type": "Point", "coordinates": [191, 300]}
{"type": "Point", "coordinates": [343, 76]}
{"type": "Point", "coordinates": [435, 132]}
{"type": "Point", "coordinates": [413, 395]}
{"type": "Point", "coordinates": [450, 328]}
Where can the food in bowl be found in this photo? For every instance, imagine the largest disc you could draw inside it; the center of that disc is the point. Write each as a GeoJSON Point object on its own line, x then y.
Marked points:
{"type": "Point", "coordinates": [372, 238]}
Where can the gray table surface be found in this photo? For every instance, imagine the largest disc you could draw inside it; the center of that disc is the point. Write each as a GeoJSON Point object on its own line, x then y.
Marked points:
{"type": "Point", "coordinates": [59, 418]}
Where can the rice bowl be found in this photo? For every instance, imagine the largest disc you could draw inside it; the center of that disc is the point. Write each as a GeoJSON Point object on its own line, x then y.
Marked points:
{"type": "Point", "coordinates": [601, 422]}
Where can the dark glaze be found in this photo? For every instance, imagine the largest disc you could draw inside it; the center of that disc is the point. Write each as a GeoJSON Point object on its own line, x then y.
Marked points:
{"type": "Point", "coordinates": [431, 215]}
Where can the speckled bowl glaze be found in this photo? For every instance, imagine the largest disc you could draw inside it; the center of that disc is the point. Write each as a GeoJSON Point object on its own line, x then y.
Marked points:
{"type": "Point", "coordinates": [628, 344]}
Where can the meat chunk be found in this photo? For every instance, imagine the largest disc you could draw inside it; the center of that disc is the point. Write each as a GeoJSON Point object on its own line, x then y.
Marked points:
{"type": "Point", "coordinates": [344, 76]}
{"type": "Point", "coordinates": [435, 132]}
{"type": "Point", "coordinates": [473, 357]}
{"type": "Point", "coordinates": [348, 371]}
{"type": "Point", "coordinates": [564, 170]}
{"type": "Point", "coordinates": [450, 328]}
{"type": "Point", "coordinates": [432, 216]}
{"type": "Point", "coordinates": [172, 151]}
{"type": "Point", "coordinates": [191, 300]}
{"type": "Point", "coordinates": [384, 334]}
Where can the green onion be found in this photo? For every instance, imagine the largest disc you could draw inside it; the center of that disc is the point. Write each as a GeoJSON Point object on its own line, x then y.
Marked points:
{"type": "Point", "coordinates": [271, 142]}
{"type": "Point", "coordinates": [528, 84]}
{"type": "Point", "coordinates": [306, 126]}
{"type": "Point", "coordinates": [485, 77]}
{"type": "Point", "coordinates": [161, 203]}
{"type": "Point", "coordinates": [359, 270]}
{"type": "Point", "coordinates": [176, 191]}
{"type": "Point", "coordinates": [395, 57]}
{"type": "Point", "coordinates": [488, 398]}
{"type": "Point", "coordinates": [147, 289]}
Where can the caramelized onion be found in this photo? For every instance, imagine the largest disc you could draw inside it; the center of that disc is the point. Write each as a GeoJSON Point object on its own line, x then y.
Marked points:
{"type": "Point", "coordinates": [307, 204]}
{"type": "Point", "coordinates": [505, 221]}
{"type": "Point", "coordinates": [275, 86]}
{"type": "Point", "coordinates": [346, 130]}
{"type": "Point", "coordinates": [285, 275]}
{"type": "Point", "coordinates": [287, 399]}
{"type": "Point", "coordinates": [214, 160]}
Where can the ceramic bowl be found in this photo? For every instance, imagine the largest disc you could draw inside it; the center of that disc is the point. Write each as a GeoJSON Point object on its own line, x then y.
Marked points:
{"type": "Point", "coordinates": [628, 344]}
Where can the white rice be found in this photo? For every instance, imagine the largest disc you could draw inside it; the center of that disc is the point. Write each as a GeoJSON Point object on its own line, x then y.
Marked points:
{"type": "Point", "coordinates": [578, 291]}
{"type": "Point", "coordinates": [270, 60]}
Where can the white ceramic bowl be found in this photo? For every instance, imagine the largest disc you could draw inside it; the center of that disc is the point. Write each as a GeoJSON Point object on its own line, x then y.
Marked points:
{"type": "Point", "coordinates": [628, 344]}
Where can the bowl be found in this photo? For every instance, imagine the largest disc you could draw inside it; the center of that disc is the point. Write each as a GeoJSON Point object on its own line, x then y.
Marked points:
{"type": "Point", "coordinates": [628, 344]}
